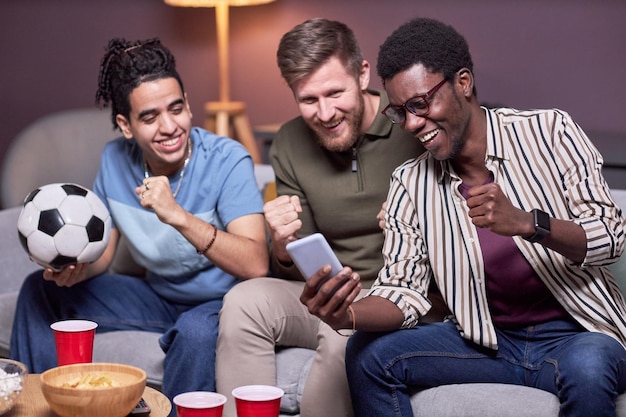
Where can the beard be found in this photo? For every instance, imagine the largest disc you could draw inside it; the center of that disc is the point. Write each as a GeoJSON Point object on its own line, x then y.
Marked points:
{"type": "Point", "coordinates": [342, 142]}
{"type": "Point", "coordinates": [456, 130]}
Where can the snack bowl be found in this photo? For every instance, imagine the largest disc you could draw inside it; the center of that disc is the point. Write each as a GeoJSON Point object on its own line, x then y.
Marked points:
{"type": "Point", "coordinates": [93, 389]}
{"type": "Point", "coordinates": [12, 375]}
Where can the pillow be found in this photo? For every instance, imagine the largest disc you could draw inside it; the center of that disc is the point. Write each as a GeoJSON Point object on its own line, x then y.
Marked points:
{"type": "Point", "coordinates": [292, 368]}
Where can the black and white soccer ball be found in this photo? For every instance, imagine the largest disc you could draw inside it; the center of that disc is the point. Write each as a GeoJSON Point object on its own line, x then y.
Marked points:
{"type": "Point", "coordinates": [62, 224]}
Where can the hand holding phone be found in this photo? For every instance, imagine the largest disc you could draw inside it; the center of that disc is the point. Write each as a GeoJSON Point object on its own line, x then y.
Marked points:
{"type": "Point", "coordinates": [311, 253]}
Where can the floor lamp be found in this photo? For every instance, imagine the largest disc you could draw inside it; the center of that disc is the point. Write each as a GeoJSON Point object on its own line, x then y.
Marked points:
{"type": "Point", "coordinates": [220, 115]}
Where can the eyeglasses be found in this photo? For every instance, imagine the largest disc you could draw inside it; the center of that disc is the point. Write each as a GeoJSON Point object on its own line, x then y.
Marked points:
{"type": "Point", "coordinates": [418, 105]}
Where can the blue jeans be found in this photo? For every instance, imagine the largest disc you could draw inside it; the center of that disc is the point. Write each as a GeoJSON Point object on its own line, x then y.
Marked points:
{"type": "Point", "coordinates": [584, 369]}
{"type": "Point", "coordinates": [118, 302]}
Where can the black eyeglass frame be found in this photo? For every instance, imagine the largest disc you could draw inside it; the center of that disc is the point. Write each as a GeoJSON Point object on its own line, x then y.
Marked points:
{"type": "Point", "coordinates": [399, 112]}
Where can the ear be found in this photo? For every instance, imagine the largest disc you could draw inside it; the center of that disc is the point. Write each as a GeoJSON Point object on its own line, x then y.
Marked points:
{"type": "Point", "coordinates": [187, 105]}
{"type": "Point", "coordinates": [465, 80]}
{"type": "Point", "coordinates": [364, 77]}
{"type": "Point", "coordinates": [124, 125]}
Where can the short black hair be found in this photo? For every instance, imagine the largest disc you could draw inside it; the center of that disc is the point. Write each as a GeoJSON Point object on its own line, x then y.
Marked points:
{"type": "Point", "coordinates": [125, 65]}
{"type": "Point", "coordinates": [435, 45]}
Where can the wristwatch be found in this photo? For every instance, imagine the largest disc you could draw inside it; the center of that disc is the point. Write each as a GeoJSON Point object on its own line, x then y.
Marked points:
{"type": "Point", "coordinates": [542, 226]}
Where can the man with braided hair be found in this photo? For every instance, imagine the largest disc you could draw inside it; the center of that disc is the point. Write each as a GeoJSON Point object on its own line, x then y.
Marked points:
{"type": "Point", "coordinates": [188, 205]}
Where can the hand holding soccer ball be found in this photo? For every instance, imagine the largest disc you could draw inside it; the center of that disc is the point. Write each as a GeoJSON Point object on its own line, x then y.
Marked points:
{"type": "Point", "coordinates": [63, 224]}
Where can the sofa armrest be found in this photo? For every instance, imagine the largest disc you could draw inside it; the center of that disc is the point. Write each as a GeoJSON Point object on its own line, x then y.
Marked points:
{"type": "Point", "coordinates": [16, 265]}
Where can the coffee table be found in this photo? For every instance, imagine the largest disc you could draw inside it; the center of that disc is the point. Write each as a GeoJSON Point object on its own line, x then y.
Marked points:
{"type": "Point", "coordinates": [31, 403]}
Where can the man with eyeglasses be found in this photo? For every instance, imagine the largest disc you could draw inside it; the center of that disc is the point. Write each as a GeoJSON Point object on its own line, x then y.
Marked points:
{"type": "Point", "coordinates": [508, 213]}
{"type": "Point", "coordinates": [333, 165]}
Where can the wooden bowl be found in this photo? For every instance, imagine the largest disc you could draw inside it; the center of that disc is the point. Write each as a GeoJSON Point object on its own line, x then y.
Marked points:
{"type": "Point", "coordinates": [84, 390]}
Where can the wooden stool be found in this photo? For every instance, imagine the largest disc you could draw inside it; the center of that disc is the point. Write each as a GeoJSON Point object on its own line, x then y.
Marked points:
{"type": "Point", "coordinates": [221, 115]}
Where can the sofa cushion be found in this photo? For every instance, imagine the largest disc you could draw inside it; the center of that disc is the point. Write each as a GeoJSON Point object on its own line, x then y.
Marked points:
{"type": "Point", "coordinates": [15, 263]}
{"type": "Point", "coordinates": [15, 267]}
{"type": "Point", "coordinates": [292, 368]}
{"type": "Point", "coordinates": [7, 307]}
{"type": "Point", "coordinates": [485, 400]}
{"type": "Point", "coordinates": [132, 347]}
{"type": "Point", "coordinates": [490, 400]}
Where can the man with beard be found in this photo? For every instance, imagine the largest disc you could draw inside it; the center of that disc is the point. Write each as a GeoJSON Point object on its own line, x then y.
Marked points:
{"type": "Point", "coordinates": [332, 165]}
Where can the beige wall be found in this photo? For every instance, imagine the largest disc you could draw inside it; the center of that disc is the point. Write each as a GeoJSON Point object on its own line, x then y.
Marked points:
{"type": "Point", "coordinates": [569, 54]}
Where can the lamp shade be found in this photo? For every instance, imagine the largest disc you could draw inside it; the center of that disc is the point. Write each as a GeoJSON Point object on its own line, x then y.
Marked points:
{"type": "Point", "coordinates": [214, 3]}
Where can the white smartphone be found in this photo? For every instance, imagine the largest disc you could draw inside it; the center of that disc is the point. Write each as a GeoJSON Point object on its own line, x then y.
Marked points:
{"type": "Point", "coordinates": [311, 253]}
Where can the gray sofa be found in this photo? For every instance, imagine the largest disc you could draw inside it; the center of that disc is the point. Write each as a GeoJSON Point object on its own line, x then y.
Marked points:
{"type": "Point", "coordinates": [141, 348]}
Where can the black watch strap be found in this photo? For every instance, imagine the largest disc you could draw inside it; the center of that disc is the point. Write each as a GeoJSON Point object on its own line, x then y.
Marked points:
{"type": "Point", "coordinates": [542, 225]}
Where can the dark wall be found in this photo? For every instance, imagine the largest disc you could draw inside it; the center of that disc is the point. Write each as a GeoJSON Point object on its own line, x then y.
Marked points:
{"type": "Point", "coordinates": [569, 54]}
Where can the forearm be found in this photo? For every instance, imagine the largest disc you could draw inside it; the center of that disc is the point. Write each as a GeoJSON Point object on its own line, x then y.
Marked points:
{"type": "Point", "coordinates": [240, 256]}
{"type": "Point", "coordinates": [566, 237]}
{"type": "Point", "coordinates": [241, 250]}
{"type": "Point", "coordinates": [374, 314]}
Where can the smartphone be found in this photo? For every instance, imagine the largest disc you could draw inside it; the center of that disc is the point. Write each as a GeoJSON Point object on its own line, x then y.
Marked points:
{"type": "Point", "coordinates": [311, 253]}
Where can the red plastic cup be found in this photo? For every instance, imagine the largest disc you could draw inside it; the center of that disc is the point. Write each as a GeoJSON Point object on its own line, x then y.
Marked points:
{"type": "Point", "coordinates": [258, 400]}
{"type": "Point", "coordinates": [74, 341]}
{"type": "Point", "coordinates": [199, 404]}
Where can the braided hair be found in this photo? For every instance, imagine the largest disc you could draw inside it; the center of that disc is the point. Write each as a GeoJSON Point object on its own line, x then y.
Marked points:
{"type": "Point", "coordinates": [125, 65]}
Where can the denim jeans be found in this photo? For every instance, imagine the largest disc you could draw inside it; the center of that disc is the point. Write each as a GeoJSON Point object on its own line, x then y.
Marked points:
{"type": "Point", "coordinates": [118, 302]}
{"type": "Point", "coordinates": [584, 369]}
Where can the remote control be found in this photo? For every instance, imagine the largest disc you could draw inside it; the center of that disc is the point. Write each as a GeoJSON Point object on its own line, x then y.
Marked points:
{"type": "Point", "coordinates": [141, 409]}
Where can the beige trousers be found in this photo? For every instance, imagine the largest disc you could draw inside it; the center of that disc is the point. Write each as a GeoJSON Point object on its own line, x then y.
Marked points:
{"type": "Point", "coordinates": [260, 314]}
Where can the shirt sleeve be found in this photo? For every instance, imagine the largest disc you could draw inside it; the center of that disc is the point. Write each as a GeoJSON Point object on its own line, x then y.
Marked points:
{"type": "Point", "coordinates": [587, 192]}
{"type": "Point", "coordinates": [406, 273]}
{"type": "Point", "coordinates": [287, 184]}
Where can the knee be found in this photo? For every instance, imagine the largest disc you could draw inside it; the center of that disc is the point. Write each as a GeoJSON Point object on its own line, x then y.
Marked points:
{"type": "Point", "coordinates": [33, 281]}
{"type": "Point", "coordinates": [188, 332]}
{"type": "Point", "coordinates": [253, 292]}
{"type": "Point", "coordinates": [32, 287]}
{"type": "Point", "coordinates": [594, 356]}
{"type": "Point", "coordinates": [250, 298]}
{"type": "Point", "coordinates": [245, 304]}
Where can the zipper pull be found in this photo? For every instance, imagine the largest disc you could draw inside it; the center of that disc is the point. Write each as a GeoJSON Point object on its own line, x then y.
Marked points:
{"type": "Point", "coordinates": [354, 162]}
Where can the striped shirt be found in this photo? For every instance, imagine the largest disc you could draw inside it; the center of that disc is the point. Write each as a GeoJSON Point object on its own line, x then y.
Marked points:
{"type": "Point", "coordinates": [540, 159]}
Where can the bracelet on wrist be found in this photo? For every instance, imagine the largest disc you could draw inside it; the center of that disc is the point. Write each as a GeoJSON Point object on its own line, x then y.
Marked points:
{"type": "Point", "coordinates": [353, 316]}
{"type": "Point", "coordinates": [211, 242]}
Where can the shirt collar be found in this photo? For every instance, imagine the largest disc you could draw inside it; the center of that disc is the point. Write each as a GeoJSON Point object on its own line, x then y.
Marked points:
{"type": "Point", "coordinates": [381, 127]}
{"type": "Point", "coordinates": [496, 149]}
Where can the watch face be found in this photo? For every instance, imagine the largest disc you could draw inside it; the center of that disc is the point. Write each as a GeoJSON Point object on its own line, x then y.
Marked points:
{"type": "Point", "coordinates": [542, 226]}
{"type": "Point", "coordinates": [542, 220]}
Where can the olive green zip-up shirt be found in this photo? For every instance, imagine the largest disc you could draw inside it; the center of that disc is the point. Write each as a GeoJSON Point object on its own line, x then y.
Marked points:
{"type": "Point", "coordinates": [341, 193]}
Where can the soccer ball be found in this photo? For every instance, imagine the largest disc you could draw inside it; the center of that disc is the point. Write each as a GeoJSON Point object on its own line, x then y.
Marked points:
{"type": "Point", "coordinates": [63, 224]}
